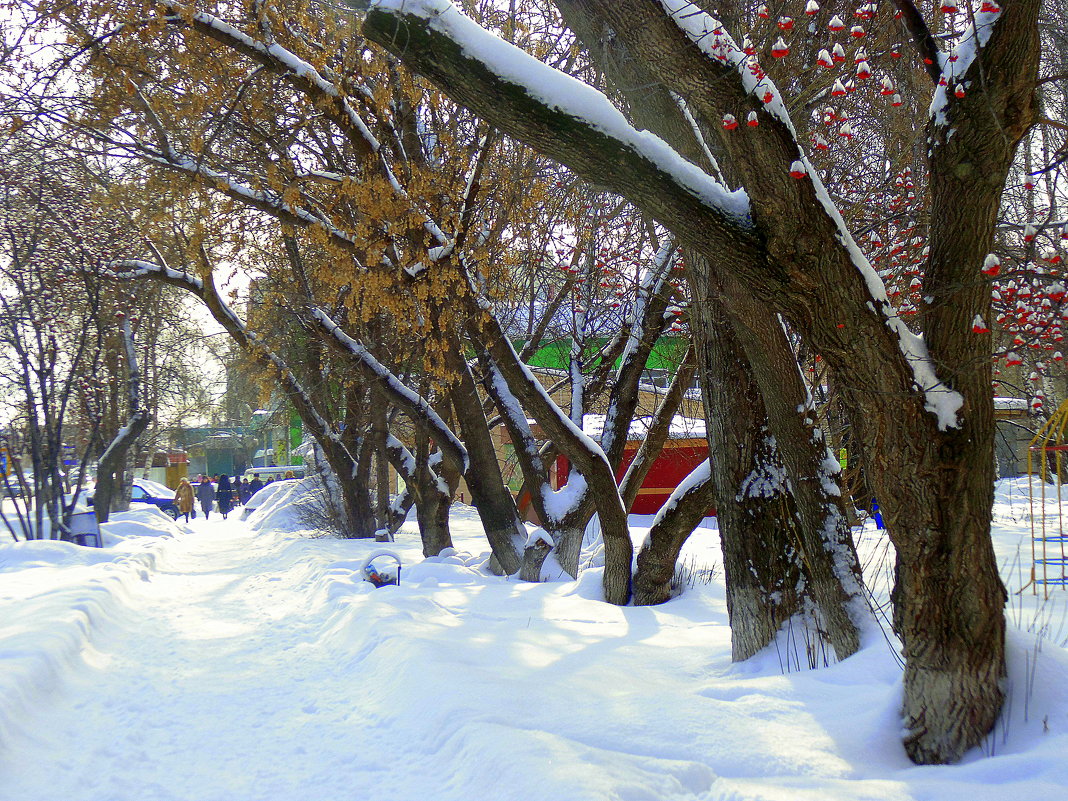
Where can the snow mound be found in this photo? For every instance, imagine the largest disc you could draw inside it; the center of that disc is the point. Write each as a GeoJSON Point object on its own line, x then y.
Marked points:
{"type": "Point", "coordinates": [277, 507]}
{"type": "Point", "coordinates": [73, 594]}
{"type": "Point", "coordinates": [142, 521]}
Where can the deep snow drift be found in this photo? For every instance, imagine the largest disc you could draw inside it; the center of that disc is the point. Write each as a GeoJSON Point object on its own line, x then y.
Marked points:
{"type": "Point", "coordinates": [240, 661]}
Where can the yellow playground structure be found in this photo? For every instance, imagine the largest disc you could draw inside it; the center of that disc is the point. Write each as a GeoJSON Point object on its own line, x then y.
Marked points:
{"type": "Point", "coordinates": [1046, 462]}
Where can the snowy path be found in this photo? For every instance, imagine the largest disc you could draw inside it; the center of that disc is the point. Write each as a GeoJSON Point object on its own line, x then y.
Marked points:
{"type": "Point", "coordinates": [237, 671]}
{"type": "Point", "coordinates": [206, 692]}
{"type": "Point", "coordinates": [228, 665]}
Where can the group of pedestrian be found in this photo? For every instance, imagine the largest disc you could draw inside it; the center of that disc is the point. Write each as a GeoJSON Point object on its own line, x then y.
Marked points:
{"type": "Point", "coordinates": [218, 493]}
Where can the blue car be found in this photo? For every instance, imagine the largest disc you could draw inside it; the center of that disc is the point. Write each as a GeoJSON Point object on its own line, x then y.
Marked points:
{"type": "Point", "coordinates": [158, 495]}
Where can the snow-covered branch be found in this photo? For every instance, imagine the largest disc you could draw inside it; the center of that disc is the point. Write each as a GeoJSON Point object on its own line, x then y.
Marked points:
{"type": "Point", "coordinates": [569, 120]}
{"type": "Point", "coordinates": [264, 200]}
{"type": "Point", "coordinates": [921, 37]}
{"type": "Point", "coordinates": [239, 332]}
{"type": "Point", "coordinates": [950, 84]}
{"type": "Point", "coordinates": [414, 405]}
{"type": "Point", "coordinates": [309, 80]}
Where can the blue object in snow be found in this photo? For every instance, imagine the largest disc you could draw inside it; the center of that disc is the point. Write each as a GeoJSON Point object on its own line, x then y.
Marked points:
{"type": "Point", "coordinates": [876, 514]}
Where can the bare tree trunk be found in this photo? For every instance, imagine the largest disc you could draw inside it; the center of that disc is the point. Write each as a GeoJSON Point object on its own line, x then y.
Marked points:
{"type": "Point", "coordinates": [566, 547]}
{"type": "Point", "coordinates": [433, 488]}
{"type": "Point", "coordinates": [433, 516]}
{"type": "Point", "coordinates": [947, 611]}
{"type": "Point", "coordinates": [829, 559]}
{"type": "Point", "coordinates": [755, 513]}
{"type": "Point", "coordinates": [379, 432]}
{"type": "Point", "coordinates": [669, 532]}
{"type": "Point", "coordinates": [591, 462]}
{"type": "Point", "coordinates": [489, 495]}
{"type": "Point", "coordinates": [111, 471]}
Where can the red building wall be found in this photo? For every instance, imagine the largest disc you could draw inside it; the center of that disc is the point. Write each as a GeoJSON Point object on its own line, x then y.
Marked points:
{"type": "Point", "coordinates": [676, 460]}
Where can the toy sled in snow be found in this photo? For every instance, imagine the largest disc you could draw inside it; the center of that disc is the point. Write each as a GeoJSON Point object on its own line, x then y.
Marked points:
{"type": "Point", "coordinates": [378, 569]}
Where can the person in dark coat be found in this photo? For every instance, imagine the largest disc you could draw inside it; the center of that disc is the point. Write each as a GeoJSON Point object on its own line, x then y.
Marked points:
{"type": "Point", "coordinates": [206, 496]}
{"type": "Point", "coordinates": [224, 495]}
{"type": "Point", "coordinates": [255, 485]}
{"type": "Point", "coordinates": [244, 491]}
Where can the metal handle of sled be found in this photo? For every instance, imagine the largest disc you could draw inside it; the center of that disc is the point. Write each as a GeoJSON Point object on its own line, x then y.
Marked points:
{"type": "Point", "coordinates": [368, 571]}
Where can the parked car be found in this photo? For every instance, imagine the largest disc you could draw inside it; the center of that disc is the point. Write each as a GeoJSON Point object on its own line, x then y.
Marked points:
{"type": "Point", "coordinates": [145, 491]}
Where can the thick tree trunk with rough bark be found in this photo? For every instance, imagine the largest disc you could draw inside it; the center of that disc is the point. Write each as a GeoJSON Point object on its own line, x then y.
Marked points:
{"type": "Point", "coordinates": [110, 478]}
{"type": "Point", "coordinates": [489, 494]}
{"type": "Point", "coordinates": [824, 539]}
{"type": "Point", "coordinates": [567, 547]}
{"type": "Point", "coordinates": [948, 597]}
{"type": "Point", "coordinates": [569, 544]}
{"type": "Point", "coordinates": [660, 554]}
{"type": "Point", "coordinates": [761, 565]}
{"type": "Point", "coordinates": [432, 486]}
{"type": "Point", "coordinates": [358, 520]}
{"type": "Point", "coordinates": [432, 512]}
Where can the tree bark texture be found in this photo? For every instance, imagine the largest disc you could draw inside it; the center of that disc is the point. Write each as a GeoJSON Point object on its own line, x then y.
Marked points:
{"type": "Point", "coordinates": [762, 568]}
{"type": "Point", "coordinates": [489, 494]}
{"type": "Point", "coordinates": [824, 539]}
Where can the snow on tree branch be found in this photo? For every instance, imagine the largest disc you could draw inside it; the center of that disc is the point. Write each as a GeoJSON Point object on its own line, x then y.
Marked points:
{"type": "Point", "coordinates": [710, 36]}
{"type": "Point", "coordinates": [956, 65]}
{"type": "Point", "coordinates": [922, 39]}
{"type": "Point", "coordinates": [235, 327]}
{"type": "Point", "coordinates": [310, 80]}
{"type": "Point", "coordinates": [573, 123]}
{"type": "Point", "coordinates": [570, 103]}
{"type": "Point", "coordinates": [264, 200]}
{"type": "Point", "coordinates": [136, 268]}
{"type": "Point", "coordinates": [417, 407]}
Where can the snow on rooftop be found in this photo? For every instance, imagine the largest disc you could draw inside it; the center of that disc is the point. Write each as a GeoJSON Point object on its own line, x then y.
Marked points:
{"type": "Point", "coordinates": [1010, 404]}
{"type": "Point", "coordinates": [681, 427]}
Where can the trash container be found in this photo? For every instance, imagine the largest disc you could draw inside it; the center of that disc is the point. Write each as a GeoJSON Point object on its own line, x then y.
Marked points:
{"type": "Point", "coordinates": [85, 530]}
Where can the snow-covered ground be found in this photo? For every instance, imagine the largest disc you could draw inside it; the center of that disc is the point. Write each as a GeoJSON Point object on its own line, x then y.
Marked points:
{"type": "Point", "coordinates": [245, 660]}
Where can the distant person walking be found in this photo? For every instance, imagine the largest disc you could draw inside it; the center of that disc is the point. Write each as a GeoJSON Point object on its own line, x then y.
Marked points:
{"type": "Point", "coordinates": [244, 491]}
{"type": "Point", "coordinates": [255, 485]}
{"type": "Point", "coordinates": [239, 499]}
{"type": "Point", "coordinates": [224, 495]}
{"type": "Point", "coordinates": [184, 497]}
{"type": "Point", "coordinates": [206, 496]}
